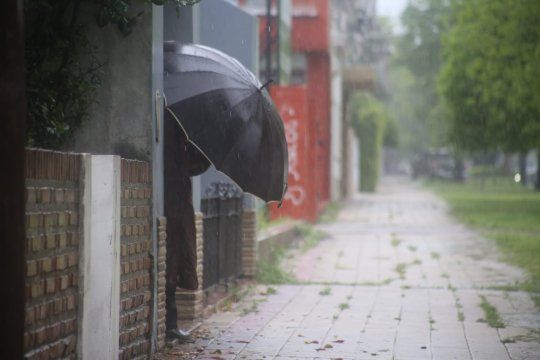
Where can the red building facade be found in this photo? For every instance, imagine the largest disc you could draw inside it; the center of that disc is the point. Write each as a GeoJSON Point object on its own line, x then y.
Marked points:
{"type": "Point", "coordinates": [305, 110]}
{"type": "Point", "coordinates": [299, 201]}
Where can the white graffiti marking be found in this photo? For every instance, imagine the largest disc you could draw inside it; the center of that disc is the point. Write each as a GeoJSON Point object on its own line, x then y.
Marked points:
{"type": "Point", "coordinates": [291, 134]}
{"type": "Point", "coordinates": [296, 193]}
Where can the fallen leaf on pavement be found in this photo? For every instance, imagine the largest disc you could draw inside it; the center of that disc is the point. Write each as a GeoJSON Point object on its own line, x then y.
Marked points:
{"type": "Point", "coordinates": [338, 341]}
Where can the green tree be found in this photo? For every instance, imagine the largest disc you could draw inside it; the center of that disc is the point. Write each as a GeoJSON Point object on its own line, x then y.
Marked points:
{"type": "Point", "coordinates": [415, 69]}
{"type": "Point", "coordinates": [491, 77]}
{"type": "Point", "coordinates": [62, 69]}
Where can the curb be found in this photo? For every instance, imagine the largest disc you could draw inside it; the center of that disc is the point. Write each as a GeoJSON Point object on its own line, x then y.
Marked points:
{"type": "Point", "coordinates": [278, 236]}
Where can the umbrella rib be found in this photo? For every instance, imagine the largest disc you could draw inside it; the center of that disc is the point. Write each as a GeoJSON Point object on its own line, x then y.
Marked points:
{"type": "Point", "coordinates": [235, 64]}
{"type": "Point", "coordinates": [206, 91]}
{"type": "Point", "coordinates": [219, 168]}
{"type": "Point", "coordinates": [236, 70]}
{"type": "Point", "coordinates": [186, 134]}
{"type": "Point", "coordinates": [227, 76]}
{"type": "Point", "coordinates": [218, 89]}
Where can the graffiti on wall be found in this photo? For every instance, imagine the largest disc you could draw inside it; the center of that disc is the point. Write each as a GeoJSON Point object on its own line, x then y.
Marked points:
{"type": "Point", "coordinates": [296, 193]}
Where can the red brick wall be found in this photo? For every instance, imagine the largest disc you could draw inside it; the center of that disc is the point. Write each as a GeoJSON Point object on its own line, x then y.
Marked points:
{"type": "Point", "coordinates": [52, 254]}
{"type": "Point", "coordinates": [136, 262]}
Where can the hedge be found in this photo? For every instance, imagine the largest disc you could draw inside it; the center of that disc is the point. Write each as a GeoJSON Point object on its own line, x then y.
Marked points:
{"type": "Point", "coordinates": [368, 119]}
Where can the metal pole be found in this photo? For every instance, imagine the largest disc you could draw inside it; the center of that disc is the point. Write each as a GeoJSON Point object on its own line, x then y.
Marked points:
{"type": "Point", "coordinates": [268, 39]}
{"type": "Point", "coordinates": [157, 154]}
{"type": "Point", "coordinates": [278, 42]}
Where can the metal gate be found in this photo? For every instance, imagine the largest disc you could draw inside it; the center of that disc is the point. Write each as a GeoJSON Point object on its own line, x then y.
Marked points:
{"type": "Point", "coordinates": [222, 234]}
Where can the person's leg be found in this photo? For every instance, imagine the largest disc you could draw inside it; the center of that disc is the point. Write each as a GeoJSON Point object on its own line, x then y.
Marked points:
{"type": "Point", "coordinates": [171, 317]}
{"type": "Point", "coordinates": [171, 282]}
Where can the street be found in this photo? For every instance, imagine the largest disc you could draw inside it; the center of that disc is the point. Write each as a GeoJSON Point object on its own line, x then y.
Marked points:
{"type": "Point", "coordinates": [396, 278]}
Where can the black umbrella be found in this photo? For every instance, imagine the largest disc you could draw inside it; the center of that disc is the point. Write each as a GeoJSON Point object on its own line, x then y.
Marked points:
{"type": "Point", "coordinates": [228, 116]}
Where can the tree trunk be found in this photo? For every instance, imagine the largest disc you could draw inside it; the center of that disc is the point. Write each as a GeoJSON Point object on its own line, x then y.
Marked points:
{"type": "Point", "coordinates": [505, 168]}
{"type": "Point", "coordinates": [537, 185]}
{"type": "Point", "coordinates": [523, 167]}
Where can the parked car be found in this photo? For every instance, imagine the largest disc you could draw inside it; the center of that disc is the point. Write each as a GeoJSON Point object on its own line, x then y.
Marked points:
{"type": "Point", "coordinates": [438, 164]}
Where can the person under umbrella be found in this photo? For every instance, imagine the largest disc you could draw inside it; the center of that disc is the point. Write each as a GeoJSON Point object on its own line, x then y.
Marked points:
{"type": "Point", "coordinates": [223, 115]}
{"type": "Point", "coordinates": [229, 116]}
{"type": "Point", "coordinates": [186, 161]}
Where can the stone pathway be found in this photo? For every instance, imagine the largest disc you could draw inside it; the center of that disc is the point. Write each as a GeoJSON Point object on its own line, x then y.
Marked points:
{"type": "Point", "coordinates": [396, 278]}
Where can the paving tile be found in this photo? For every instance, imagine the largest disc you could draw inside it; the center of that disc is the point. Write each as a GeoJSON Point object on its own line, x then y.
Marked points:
{"type": "Point", "coordinates": [405, 282]}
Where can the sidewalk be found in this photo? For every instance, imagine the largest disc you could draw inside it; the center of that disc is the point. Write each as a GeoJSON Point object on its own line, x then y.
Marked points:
{"type": "Point", "coordinates": [397, 278]}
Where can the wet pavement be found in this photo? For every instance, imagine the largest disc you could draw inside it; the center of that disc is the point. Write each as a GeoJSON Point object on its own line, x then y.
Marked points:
{"type": "Point", "coordinates": [396, 278]}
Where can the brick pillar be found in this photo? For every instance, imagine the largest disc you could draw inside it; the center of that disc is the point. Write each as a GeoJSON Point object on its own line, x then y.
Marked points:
{"type": "Point", "coordinates": [249, 242]}
{"type": "Point", "coordinates": [162, 259]}
{"type": "Point", "coordinates": [190, 302]}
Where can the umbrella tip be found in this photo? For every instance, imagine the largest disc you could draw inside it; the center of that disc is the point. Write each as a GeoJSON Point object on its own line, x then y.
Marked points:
{"type": "Point", "coordinates": [265, 84]}
{"type": "Point", "coordinates": [283, 196]}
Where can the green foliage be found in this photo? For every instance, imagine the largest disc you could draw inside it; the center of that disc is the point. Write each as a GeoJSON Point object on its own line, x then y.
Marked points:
{"type": "Point", "coordinates": [415, 101]}
{"type": "Point", "coordinates": [331, 212]}
{"type": "Point", "coordinates": [368, 118]}
{"type": "Point", "coordinates": [326, 291]}
{"type": "Point", "coordinates": [491, 78]}
{"type": "Point", "coordinates": [508, 213]}
{"type": "Point", "coordinates": [271, 272]}
{"type": "Point", "coordinates": [310, 236]}
{"type": "Point", "coordinates": [117, 12]}
{"type": "Point", "coordinates": [62, 70]}
{"type": "Point", "coordinates": [491, 315]}
{"type": "Point", "coordinates": [391, 133]}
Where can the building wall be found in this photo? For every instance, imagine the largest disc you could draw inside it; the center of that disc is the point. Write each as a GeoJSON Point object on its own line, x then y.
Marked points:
{"type": "Point", "coordinates": [52, 254]}
{"type": "Point", "coordinates": [318, 83]}
{"type": "Point", "coordinates": [337, 126]}
{"type": "Point", "coordinates": [310, 30]}
{"type": "Point", "coordinates": [120, 121]}
{"type": "Point", "coordinates": [311, 35]}
{"type": "Point", "coordinates": [226, 27]}
{"type": "Point", "coordinates": [300, 200]}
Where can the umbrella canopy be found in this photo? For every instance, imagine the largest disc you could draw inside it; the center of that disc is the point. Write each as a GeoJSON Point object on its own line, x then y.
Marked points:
{"type": "Point", "coordinates": [228, 116]}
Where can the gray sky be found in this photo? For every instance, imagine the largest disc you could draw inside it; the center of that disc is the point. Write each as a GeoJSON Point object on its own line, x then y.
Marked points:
{"type": "Point", "coordinates": [391, 9]}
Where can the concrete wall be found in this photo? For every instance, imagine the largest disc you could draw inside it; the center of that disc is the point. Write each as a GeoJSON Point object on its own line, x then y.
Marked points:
{"type": "Point", "coordinates": [120, 121]}
{"type": "Point", "coordinates": [336, 127]}
{"type": "Point", "coordinates": [100, 265]}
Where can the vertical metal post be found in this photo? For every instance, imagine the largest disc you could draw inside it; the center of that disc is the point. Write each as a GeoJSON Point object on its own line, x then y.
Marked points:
{"type": "Point", "coordinates": [268, 40]}
{"type": "Point", "coordinates": [157, 150]}
{"type": "Point", "coordinates": [278, 42]}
